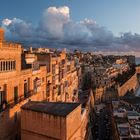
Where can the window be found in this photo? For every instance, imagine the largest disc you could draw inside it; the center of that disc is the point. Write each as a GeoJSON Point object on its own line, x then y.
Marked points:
{"type": "Point", "coordinates": [25, 90]}
{"type": "Point", "coordinates": [48, 91]}
{"type": "Point", "coordinates": [3, 98]}
{"type": "Point", "coordinates": [59, 90]}
{"type": "Point", "coordinates": [14, 65]}
{"type": "Point", "coordinates": [28, 84]}
{"type": "Point", "coordinates": [15, 94]}
{"type": "Point", "coordinates": [7, 65]}
{"type": "Point", "coordinates": [37, 84]}
{"type": "Point", "coordinates": [0, 66]}
{"type": "Point", "coordinates": [4, 65]}
{"type": "Point", "coordinates": [11, 65]}
{"type": "Point", "coordinates": [53, 94]}
{"type": "Point", "coordinates": [53, 69]}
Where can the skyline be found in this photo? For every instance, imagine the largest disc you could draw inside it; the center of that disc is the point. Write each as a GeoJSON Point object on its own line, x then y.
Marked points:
{"type": "Point", "coordinates": [97, 26]}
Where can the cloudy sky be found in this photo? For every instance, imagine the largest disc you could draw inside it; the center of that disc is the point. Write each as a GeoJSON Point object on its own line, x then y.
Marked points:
{"type": "Point", "coordinates": [96, 25]}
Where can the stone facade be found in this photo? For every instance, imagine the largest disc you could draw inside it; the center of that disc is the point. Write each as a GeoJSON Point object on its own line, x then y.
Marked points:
{"type": "Point", "coordinates": [51, 126]}
{"type": "Point", "coordinates": [34, 76]}
{"type": "Point", "coordinates": [17, 86]}
{"type": "Point", "coordinates": [62, 75]}
{"type": "Point", "coordinates": [131, 84]}
{"type": "Point", "coordinates": [57, 120]}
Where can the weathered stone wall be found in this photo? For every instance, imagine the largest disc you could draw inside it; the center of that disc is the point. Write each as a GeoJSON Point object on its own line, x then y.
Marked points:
{"type": "Point", "coordinates": [35, 125]}
{"type": "Point", "coordinates": [73, 122]}
{"type": "Point", "coordinates": [132, 83]}
{"type": "Point", "coordinates": [10, 117]}
{"type": "Point", "coordinates": [41, 126]}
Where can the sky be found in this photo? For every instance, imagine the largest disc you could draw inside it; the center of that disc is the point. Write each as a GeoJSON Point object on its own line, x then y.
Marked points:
{"type": "Point", "coordinates": [86, 24]}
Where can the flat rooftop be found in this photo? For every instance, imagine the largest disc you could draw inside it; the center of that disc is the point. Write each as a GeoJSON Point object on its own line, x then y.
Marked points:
{"type": "Point", "coordinates": [133, 100]}
{"type": "Point", "coordinates": [132, 113]}
{"type": "Point", "coordinates": [52, 108]}
{"type": "Point", "coordinates": [121, 120]}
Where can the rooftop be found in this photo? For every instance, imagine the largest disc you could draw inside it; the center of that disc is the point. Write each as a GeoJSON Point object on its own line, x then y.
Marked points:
{"type": "Point", "coordinates": [52, 108]}
{"type": "Point", "coordinates": [132, 113]}
{"type": "Point", "coordinates": [127, 128]}
{"type": "Point", "coordinates": [132, 100]}
{"type": "Point", "coordinates": [121, 120]}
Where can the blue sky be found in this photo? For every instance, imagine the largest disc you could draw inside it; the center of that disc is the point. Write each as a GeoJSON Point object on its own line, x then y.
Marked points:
{"type": "Point", "coordinates": [106, 25]}
{"type": "Point", "coordinates": [117, 15]}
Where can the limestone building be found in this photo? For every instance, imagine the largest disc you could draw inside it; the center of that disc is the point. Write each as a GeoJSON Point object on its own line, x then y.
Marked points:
{"type": "Point", "coordinates": [51, 121]}
{"type": "Point", "coordinates": [19, 83]}
{"type": "Point", "coordinates": [62, 75]}
{"type": "Point", "coordinates": [33, 76]}
{"type": "Point", "coordinates": [57, 120]}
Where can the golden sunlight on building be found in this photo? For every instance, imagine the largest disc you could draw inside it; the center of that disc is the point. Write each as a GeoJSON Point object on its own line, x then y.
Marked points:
{"type": "Point", "coordinates": [51, 121]}
{"type": "Point", "coordinates": [18, 84]}
{"type": "Point", "coordinates": [34, 75]}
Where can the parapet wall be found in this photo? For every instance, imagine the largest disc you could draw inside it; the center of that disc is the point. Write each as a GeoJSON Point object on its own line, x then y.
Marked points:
{"type": "Point", "coordinates": [131, 84]}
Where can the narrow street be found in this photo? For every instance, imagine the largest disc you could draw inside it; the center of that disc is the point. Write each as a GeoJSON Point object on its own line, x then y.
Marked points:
{"type": "Point", "coordinates": [102, 126]}
{"type": "Point", "coordinates": [101, 130]}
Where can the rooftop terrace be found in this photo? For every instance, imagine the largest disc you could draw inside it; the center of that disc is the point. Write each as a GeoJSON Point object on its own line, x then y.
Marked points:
{"type": "Point", "coordinates": [52, 108]}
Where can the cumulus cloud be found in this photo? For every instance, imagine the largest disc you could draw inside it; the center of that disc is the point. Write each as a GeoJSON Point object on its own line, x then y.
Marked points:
{"type": "Point", "coordinates": [53, 20]}
{"type": "Point", "coordinates": [17, 29]}
{"type": "Point", "coordinates": [6, 22]}
{"type": "Point", "coordinates": [57, 29]}
{"type": "Point", "coordinates": [76, 32]}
